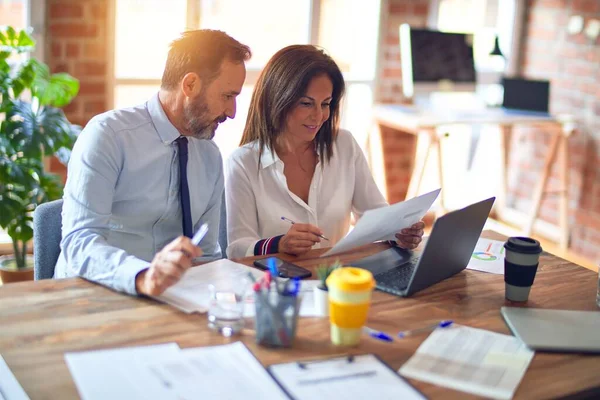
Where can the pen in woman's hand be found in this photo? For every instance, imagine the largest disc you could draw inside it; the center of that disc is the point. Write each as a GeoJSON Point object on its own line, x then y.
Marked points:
{"type": "Point", "coordinates": [441, 324]}
{"type": "Point", "coordinates": [292, 222]}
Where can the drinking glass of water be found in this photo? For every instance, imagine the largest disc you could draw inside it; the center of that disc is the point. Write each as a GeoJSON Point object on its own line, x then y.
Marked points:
{"type": "Point", "coordinates": [226, 306]}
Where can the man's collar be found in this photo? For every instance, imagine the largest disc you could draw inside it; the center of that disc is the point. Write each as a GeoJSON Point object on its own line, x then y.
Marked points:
{"type": "Point", "coordinates": [166, 130]}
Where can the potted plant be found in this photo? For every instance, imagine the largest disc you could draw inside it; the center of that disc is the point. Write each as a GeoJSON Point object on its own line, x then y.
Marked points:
{"type": "Point", "coordinates": [320, 291]}
{"type": "Point", "coordinates": [32, 127]}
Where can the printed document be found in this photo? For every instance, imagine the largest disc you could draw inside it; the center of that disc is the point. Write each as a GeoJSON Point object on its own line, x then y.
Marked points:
{"type": "Point", "coordinates": [359, 377]}
{"type": "Point", "coordinates": [219, 372]}
{"type": "Point", "coordinates": [120, 373]}
{"type": "Point", "coordinates": [10, 389]}
{"type": "Point", "coordinates": [383, 223]}
{"type": "Point", "coordinates": [471, 360]}
{"type": "Point", "coordinates": [488, 256]}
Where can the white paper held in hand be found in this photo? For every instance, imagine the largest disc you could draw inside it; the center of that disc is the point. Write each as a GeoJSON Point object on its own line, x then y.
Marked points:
{"type": "Point", "coordinates": [202, 231]}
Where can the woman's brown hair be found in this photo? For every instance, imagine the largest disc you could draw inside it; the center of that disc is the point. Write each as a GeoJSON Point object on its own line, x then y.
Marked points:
{"type": "Point", "coordinates": [283, 81]}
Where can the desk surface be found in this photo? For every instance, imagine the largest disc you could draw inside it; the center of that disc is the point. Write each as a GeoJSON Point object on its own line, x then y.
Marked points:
{"type": "Point", "coordinates": [40, 321]}
{"type": "Point", "coordinates": [411, 118]}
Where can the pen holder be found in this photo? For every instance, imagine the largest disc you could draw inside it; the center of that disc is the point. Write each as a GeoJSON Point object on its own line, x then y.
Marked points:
{"type": "Point", "coordinates": [276, 318]}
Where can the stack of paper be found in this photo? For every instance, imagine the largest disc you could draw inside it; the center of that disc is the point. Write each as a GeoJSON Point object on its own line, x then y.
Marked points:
{"type": "Point", "coordinates": [472, 360]}
{"type": "Point", "coordinates": [9, 386]}
{"type": "Point", "coordinates": [191, 293]}
{"type": "Point", "coordinates": [166, 372]}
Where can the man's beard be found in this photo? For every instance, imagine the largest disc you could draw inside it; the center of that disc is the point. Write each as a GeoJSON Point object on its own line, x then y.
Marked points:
{"type": "Point", "coordinates": [198, 120]}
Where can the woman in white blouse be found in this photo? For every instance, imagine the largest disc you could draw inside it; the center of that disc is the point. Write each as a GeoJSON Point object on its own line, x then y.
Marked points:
{"type": "Point", "coordinates": [295, 163]}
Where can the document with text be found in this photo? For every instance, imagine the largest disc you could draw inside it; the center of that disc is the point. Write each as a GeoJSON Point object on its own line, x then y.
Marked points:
{"type": "Point", "coordinates": [383, 223]}
{"type": "Point", "coordinates": [344, 378]}
{"type": "Point", "coordinates": [471, 360]}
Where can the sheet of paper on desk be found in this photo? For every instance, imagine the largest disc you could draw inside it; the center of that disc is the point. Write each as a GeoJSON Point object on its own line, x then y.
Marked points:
{"type": "Point", "coordinates": [365, 377]}
{"type": "Point", "coordinates": [383, 223]}
{"type": "Point", "coordinates": [229, 372]}
{"type": "Point", "coordinates": [488, 256]}
{"type": "Point", "coordinates": [120, 373]}
{"type": "Point", "coordinates": [10, 389]}
{"type": "Point", "coordinates": [471, 360]}
{"type": "Point", "coordinates": [191, 294]}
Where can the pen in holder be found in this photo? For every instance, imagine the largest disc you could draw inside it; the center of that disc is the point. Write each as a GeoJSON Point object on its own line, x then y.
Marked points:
{"type": "Point", "coordinates": [277, 305]}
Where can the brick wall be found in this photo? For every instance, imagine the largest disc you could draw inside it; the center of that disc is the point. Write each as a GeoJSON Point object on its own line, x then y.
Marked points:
{"type": "Point", "coordinates": [76, 43]}
{"type": "Point", "coordinates": [572, 64]}
{"type": "Point", "coordinates": [397, 150]}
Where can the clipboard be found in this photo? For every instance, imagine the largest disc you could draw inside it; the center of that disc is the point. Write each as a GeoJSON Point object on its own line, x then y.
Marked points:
{"type": "Point", "coordinates": [348, 377]}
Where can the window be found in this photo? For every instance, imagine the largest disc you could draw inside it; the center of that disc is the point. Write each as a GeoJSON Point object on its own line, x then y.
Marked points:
{"type": "Point", "coordinates": [348, 30]}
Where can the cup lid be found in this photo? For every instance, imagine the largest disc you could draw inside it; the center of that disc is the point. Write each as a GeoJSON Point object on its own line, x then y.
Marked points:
{"type": "Point", "coordinates": [351, 279]}
{"type": "Point", "coordinates": [521, 244]}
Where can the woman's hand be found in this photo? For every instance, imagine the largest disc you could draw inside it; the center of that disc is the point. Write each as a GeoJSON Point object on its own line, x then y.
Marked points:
{"type": "Point", "coordinates": [299, 239]}
{"type": "Point", "coordinates": [410, 238]}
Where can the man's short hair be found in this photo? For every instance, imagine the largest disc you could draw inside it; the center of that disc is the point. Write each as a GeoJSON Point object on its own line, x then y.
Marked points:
{"type": "Point", "coordinates": [202, 52]}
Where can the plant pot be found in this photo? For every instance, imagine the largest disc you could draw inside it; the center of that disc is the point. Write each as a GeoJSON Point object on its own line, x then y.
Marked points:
{"type": "Point", "coordinates": [9, 272]}
{"type": "Point", "coordinates": [321, 301]}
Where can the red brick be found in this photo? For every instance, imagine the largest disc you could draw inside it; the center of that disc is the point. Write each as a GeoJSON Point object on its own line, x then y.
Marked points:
{"type": "Point", "coordinates": [585, 6]}
{"type": "Point", "coordinates": [392, 73]}
{"type": "Point", "coordinates": [66, 10]}
{"type": "Point", "coordinates": [94, 50]}
{"type": "Point", "coordinates": [588, 219]}
{"type": "Point", "coordinates": [99, 11]}
{"type": "Point", "coordinates": [398, 8]}
{"type": "Point", "coordinates": [580, 69]}
{"type": "Point", "coordinates": [73, 30]}
{"type": "Point", "coordinates": [94, 106]}
{"type": "Point", "coordinates": [72, 108]}
{"type": "Point", "coordinates": [90, 68]}
{"type": "Point", "coordinates": [542, 33]}
{"type": "Point", "coordinates": [392, 40]}
{"type": "Point", "coordinates": [420, 9]}
{"type": "Point", "coordinates": [56, 50]}
{"type": "Point", "coordinates": [558, 4]}
{"type": "Point", "coordinates": [92, 88]}
{"type": "Point", "coordinates": [72, 50]}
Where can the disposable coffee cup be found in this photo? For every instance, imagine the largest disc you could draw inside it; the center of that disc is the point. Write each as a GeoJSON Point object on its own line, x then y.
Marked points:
{"type": "Point", "coordinates": [520, 266]}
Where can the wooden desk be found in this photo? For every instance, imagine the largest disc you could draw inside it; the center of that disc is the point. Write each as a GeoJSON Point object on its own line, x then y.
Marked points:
{"type": "Point", "coordinates": [429, 125]}
{"type": "Point", "coordinates": [40, 321]}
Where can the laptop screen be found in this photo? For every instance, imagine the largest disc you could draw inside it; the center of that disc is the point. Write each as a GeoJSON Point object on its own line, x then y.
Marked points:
{"type": "Point", "coordinates": [525, 94]}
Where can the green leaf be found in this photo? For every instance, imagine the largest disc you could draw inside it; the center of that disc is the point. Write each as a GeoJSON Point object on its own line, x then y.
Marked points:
{"type": "Point", "coordinates": [24, 78]}
{"type": "Point", "coordinates": [55, 90]}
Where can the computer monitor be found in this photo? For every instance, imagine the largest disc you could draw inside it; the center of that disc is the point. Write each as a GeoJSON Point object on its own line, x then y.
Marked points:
{"type": "Point", "coordinates": [434, 61]}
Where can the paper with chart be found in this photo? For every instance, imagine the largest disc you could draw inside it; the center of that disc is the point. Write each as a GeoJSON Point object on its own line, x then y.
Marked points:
{"type": "Point", "coordinates": [191, 293]}
{"type": "Point", "coordinates": [360, 377]}
{"type": "Point", "coordinates": [219, 372]}
{"type": "Point", "coordinates": [383, 223]}
{"type": "Point", "coordinates": [471, 360]}
{"type": "Point", "coordinates": [120, 373]}
{"type": "Point", "coordinates": [488, 256]}
{"type": "Point", "coordinates": [10, 389]}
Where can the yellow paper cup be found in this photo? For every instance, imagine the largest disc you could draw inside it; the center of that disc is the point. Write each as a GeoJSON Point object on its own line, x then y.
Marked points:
{"type": "Point", "coordinates": [349, 300]}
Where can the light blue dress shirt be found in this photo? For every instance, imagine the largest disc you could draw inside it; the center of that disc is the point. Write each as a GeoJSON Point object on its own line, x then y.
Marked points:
{"type": "Point", "coordinates": [121, 200]}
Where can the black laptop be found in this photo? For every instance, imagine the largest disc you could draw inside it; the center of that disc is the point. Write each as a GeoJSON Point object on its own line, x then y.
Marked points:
{"type": "Point", "coordinates": [446, 252]}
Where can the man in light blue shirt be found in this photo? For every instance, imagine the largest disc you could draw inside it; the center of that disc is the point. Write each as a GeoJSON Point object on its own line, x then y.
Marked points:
{"type": "Point", "coordinates": [126, 205]}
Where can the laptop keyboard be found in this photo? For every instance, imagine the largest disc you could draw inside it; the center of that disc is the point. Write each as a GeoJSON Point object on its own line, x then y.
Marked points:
{"type": "Point", "coordinates": [396, 280]}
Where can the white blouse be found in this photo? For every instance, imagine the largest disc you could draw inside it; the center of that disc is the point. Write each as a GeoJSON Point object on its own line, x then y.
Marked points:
{"type": "Point", "coordinates": [257, 199]}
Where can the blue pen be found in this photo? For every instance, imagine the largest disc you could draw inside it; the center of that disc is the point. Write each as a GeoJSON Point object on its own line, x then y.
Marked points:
{"type": "Point", "coordinates": [272, 267]}
{"type": "Point", "coordinates": [442, 324]}
{"type": "Point", "coordinates": [377, 334]}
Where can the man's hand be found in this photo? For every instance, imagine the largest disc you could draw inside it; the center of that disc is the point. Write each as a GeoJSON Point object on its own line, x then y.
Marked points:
{"type": "Point", "coordinates": [410, 238]}
{"type": "Point", "coordinates": [167, 267]}
{"type": "Point", "coordinates": [299, 239]}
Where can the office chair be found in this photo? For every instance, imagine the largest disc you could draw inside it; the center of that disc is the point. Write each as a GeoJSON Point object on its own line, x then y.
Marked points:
{"type": "Point", "coordinates": [47, 224]}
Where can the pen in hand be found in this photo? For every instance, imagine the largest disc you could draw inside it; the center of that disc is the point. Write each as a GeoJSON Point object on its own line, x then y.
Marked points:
{"type": "Point", "coordinates": [292, 222]}
{"type": "Point", "coordinates": [441, 324]}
